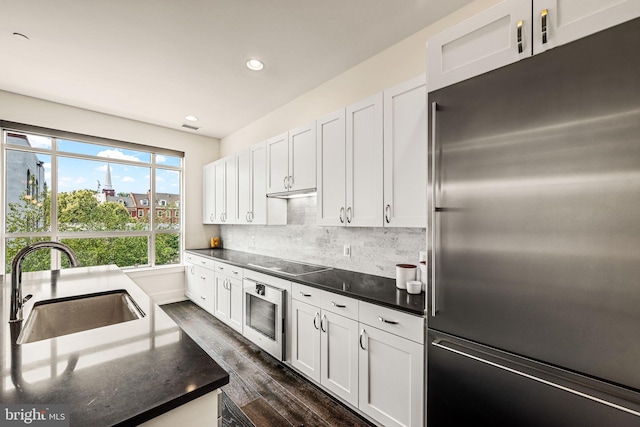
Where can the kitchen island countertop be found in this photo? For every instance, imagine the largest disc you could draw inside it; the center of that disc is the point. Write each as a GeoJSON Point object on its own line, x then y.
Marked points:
{"type": "Point", "coordinates": [365, 287]}
{"type": "Point", "coordinates": [122, 374]}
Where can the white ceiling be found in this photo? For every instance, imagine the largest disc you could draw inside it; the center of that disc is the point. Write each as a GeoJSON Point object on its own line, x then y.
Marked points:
{"type": "Point", "coordinates": [157, 61]}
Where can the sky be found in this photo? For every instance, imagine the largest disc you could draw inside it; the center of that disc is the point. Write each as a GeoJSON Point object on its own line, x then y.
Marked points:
{"type": "Point", "coordinates": [76, 174]}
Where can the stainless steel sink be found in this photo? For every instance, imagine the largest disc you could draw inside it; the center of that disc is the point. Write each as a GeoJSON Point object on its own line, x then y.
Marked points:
{"type": "Point", "coordinates": [56, 317]}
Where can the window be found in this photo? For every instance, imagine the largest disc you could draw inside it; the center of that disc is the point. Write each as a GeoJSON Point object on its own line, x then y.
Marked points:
{"type": "Point", "coordinates": [89, 193]}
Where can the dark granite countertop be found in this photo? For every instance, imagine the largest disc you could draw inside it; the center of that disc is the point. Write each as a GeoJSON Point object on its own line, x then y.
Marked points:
{"type": "Point", "coordinates": [365, 287]}
{"type": "Point", "coordinates": [121, 374]}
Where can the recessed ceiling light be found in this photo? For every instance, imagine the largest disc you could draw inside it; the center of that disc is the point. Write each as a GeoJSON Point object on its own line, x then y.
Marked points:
{"type": "Point", "coordinates": [255, 64]}
{"type": "Point", "coordinates": [191, 118]}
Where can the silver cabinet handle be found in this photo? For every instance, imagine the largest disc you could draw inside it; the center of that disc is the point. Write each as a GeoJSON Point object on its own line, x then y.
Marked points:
{"type": "Point", "coordinates": [212, 217]}
{"type": "Point", "coordinates": [349, 214]}
{"type": "Point", "coordinates": [543, 19]}
{"type": "Point", "coordinates": [203, 298]}
{"type": "Point", "coordinates": [193, 269]}
{"type": "Point", "coordinates": [315, 320]}
{"type": "Point", "coordinates": [434, 209]}
{"type": "Point", "coordinates": [438, 343]}
{"type": "Point", "coordinates": [387, 213]}
{"type": "Point", "coordinates": [519, 36]}
{"type": "Point", "coordinates": [290, 182]}
{"type": "Point", "coordinates": [338, 305]}
{"type": "Point", "coordinates": [284, 181]}
{"type": "Point", "coordinates": [324, 317]}
{"type": "Point", "coordinates": [235, 272]}
{"type": "Point", "coordinates": [221, 268]}
{"type": "Point", "coordinates": [227, 284]}
{"type": "Point", "coordinates": [304, 295]}
{"type": "Point", "coordinates": [246, 217]}
{"type": "Point", "coordinates": [203, 278]}
{"type": "Point", "coordinates": [360, 339]}
{"type": "Point", "coordinates": [250, 216]}
{"type": "Point", "coordinates": [203, 262]}
{"type": "Point", "coordinates": [342, 215]}
{"type": "Point", "coordinates": [391, 322]}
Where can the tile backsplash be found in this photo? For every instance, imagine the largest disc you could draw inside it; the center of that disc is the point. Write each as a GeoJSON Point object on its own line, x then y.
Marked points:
{"type": "Point", "coordinates": [374, 250]}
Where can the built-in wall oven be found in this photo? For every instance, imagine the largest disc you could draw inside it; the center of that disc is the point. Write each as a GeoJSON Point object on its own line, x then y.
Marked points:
{"type": "Point", "coordinates": [264, 316]}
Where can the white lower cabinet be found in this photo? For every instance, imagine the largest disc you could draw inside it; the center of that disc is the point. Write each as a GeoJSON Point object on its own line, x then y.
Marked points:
{"type": "Point", "coordinates": [339, 356]}
{"type": "Point", "coordinates": [391, 378]}
{"type": "Point", "coordinates": [305, 339]}
{"type": "Point", "coordinates": [199, 286]}
{"type": "Point", "coordinates": [228, 295]}
{"type": "Point", "coordinates": [369, 356]}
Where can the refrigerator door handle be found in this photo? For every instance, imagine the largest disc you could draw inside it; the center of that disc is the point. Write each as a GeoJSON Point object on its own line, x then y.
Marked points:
{"type": "Point", "coordinates": [441, 344]}
{"type": "Point", "coordinates": [434, 109]}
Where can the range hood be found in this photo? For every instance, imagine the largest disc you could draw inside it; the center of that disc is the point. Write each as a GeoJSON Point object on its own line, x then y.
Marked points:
{"type": "Point", "coordinates": [294, 194]}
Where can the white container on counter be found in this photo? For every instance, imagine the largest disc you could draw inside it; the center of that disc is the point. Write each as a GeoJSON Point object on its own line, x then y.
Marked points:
{"type": "Point", "coordinates": [414, 286]}
{"type": "Point", "coordinates": [405, 273]}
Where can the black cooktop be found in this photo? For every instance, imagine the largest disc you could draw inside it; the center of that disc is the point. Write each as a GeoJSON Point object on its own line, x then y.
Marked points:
{"type": "Point", "coordinates": [291, 268]}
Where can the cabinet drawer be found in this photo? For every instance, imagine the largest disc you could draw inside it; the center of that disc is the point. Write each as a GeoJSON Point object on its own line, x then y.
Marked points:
{"type": "Point", "coordinates": [307, 294]}
{"type": "Point", "coordinates": [229, 270]}
{"type": "Point", "coordinates": [201, 261]}
{"type": "Point", "coordinates": [339, 304]}
{"type": "Point", "coordinates": [393, 321]}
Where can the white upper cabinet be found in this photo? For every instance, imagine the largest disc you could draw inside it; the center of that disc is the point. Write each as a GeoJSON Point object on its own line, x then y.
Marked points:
{"type": "Point", "coordinates": [557, 22]}
{"type": "Point", "coordinates": [302, 158]}
{"type": "Point", "coordinates": [278, 163]}
{"type": "Point", "coordinates": [291, 160]}
{"type": "Point", "coordinates": [253, 206]}
{"type": "Point", "coordinates": [496, 37]}
{"type": "Point", "coordinates": [508, 32]}
{"type": "Point", "coordinates": [244, 187]}
{"type": "Point", "coordinates": [331, 149]}
{"type": "Point", "coordinates": [224, 190]}
{"type": "Point", "coordinates": [209, 194]}
{"type": "Point", "coordinates": [364, 175]}
{"type": "Point", "coordinates": [405, 154]}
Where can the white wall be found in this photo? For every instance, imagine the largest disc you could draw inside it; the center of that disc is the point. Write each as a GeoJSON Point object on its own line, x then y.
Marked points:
{"type": "Point", "coordinates": [394, 65]}
{"type": "Point", "coordinates": [198, 150]}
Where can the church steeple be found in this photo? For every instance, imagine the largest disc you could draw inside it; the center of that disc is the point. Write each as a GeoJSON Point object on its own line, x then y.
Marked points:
{"type": "Point", "coordinates": [107, 188]}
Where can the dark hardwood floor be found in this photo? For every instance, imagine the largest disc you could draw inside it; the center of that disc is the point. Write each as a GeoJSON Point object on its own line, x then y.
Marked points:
{"type": "Point", "coordinates": [262, 392]}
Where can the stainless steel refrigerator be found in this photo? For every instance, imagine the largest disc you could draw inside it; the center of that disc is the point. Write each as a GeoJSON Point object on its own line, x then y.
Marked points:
{"type": "Point", "coordinates": [534, 239]}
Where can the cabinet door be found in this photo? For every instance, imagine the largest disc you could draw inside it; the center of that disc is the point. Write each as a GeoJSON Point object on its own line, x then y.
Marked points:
{"type": "Point", "coordinates": [221, 305]}
{"type": "Point", "coordinates": [190, 281]}
{"type": "Point", "coordinates": [220, 189]}
{"type": "Point", "coordinates": [230, 190]}
{"type": "Point", "coordinates": [391, 377]}
{"type": "Point", "coordinates": [331, 152]}
{"type": "Point", "coordinates": [209, 194]}
{"type": "Point", "coordinates": [405, 154]}
{"type": "Point", "coordinates": [364, 163]}
{"type": "Point", "coordinates": [556, 22]}
{"type": "Point", "coordinates": [302, 158]}
{"type": "Point", "coordinates": [305, 339]}
{"type": "Point", "coordinates": [259, 183]}
{"type": "Point", "coordinates": [339, 356]}
{"type": "Point", "coordinates": [235, 304]}
{"type": "Point", "coordinates": [243, 187]}
{"type": "Point", "coordinates": [203, 294]}
{"type": "Point", "coordinates": [491, 39]}
{"type": "Point", "coordinates": [278, 163]}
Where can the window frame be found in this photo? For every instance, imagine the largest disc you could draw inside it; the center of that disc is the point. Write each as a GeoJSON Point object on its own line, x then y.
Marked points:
{"type": "Point", "coordinates": [54, 233]}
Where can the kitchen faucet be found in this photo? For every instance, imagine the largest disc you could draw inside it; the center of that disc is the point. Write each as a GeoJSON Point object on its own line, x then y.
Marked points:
{"type": "Point", "coordinates": [16, 273]}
